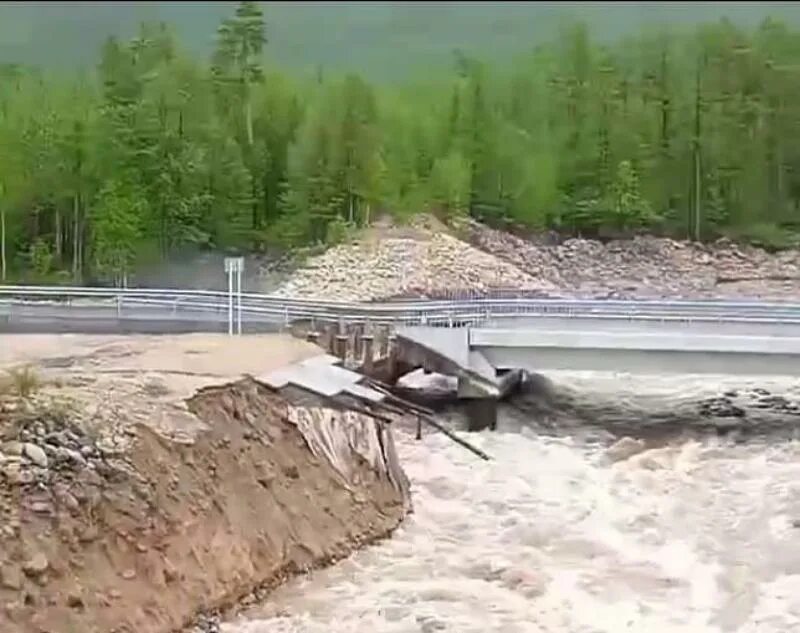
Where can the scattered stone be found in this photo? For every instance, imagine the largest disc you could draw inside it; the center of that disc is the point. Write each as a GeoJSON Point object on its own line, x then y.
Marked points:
{"type": "Point", "coordinates": [42, 507]}
{"type": "Point", "coordinates": [12, 473]}
{"type": "Point", "coordinates": [36, 454]}
{"type": "Point", "coordinates": [207, 624]}
{"type": "Point", "coordinates": [129, 574]}
{"type": "Point", "coordinates": [75, 600]}
{"type": "Point", "coordinates": [36, 565]}
{"type": "Point", "coordinates": [170, 573]}
{"type": "Point", "coordinates": [12, 448]}
{"type": "Point", "coordinates": [11, 577]}
{"type": "Point", "coordinates": [721, 408]}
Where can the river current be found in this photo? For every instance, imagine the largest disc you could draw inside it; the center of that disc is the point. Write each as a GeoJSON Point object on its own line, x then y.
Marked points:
{"type": "Point", "coordinates": [697, 534]}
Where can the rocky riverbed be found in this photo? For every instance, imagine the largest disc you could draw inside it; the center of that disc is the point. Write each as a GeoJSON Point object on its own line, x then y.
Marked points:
{"type": "Point", "coordinates": [431, 260]}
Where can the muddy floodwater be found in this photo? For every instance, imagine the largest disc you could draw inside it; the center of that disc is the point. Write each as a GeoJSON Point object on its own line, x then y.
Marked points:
{"type": "Point", "coordinates": [696, 534]}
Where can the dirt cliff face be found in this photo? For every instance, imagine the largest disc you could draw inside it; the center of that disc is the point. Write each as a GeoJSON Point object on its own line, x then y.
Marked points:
{"type": "Point", "coordinates": [139, 541]}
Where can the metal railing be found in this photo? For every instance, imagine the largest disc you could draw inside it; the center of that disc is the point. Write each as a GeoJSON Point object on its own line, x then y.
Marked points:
{"type": "Point", "coordinates": [18, 299]}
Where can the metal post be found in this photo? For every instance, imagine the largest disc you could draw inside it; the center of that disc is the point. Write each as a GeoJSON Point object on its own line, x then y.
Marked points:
{"type": "Point", "coordinates": [230, 302]}
{"type": "Point", "coordinates": [234, 266]}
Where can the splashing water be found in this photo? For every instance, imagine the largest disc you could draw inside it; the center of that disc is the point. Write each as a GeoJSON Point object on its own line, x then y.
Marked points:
{"type": "Point", "coordinates": [551, 536]}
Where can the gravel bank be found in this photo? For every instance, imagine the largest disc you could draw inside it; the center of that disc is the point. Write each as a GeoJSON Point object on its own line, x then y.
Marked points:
{"type": "Point", "coordinates": [426, 265]}
{"type": "Point", "coordinates": [648, 267]}
{"type": "Point", "coordinates": [429, 261]}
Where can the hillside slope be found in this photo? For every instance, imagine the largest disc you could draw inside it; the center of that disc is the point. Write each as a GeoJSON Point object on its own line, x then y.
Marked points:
{"type": "Point", "coordinates": [383, 40]}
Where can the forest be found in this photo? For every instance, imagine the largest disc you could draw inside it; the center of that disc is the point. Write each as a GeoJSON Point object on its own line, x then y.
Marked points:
{"type": "Point", "coordinates": [155, 152]}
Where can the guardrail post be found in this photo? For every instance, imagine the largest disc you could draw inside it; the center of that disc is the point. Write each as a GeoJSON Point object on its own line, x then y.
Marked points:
{"type": "Point", "coordinates": [119, 306]}
{"type": "Point", "coordinates": [368, 356]}
{"type": "Point", "coordinates": [331, 338]}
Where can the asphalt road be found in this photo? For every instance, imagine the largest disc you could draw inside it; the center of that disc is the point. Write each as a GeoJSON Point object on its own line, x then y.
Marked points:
{"type": "Point", "coordinates": [99, 319]}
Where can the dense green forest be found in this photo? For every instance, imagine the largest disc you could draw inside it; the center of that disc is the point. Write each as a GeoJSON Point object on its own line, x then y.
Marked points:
{"type": "Point", "coordinates": [693, 133]}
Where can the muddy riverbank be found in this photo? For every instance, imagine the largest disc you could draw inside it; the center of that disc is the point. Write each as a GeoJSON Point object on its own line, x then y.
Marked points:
{"type": "Point", "coordinates": [135, 494]}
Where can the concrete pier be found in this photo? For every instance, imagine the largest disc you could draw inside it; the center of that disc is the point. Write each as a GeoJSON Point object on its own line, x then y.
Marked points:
{"type": "Point", "coordinates": [368, 358]}
{"type": "Point", "coordinates": [446, 351]}
{"type": "Point", "coordinates": [481, 414]}
{"type": "Point", "coordinates": [341, 346]}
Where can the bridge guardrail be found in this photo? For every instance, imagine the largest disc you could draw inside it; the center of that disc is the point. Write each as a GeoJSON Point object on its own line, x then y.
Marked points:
{"type": "Point", "coordinates": [433, 311]}
{"type": "Point", "coordinates": [473, 318]}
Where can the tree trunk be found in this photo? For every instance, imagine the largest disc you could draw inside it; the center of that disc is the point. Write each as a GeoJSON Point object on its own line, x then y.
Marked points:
{"type": "Point", "coordinates": [58, 236]}
{"type": "Point", "coordinates": [76, 237]}
{"type": "Point", "coordinates": [248, 118]}
{"type": "Point", "coordinates": [697, 171]}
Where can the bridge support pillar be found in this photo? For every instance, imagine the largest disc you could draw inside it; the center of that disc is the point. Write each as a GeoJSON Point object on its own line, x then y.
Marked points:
{"type": "Point", "coordinates": [330, 338]}
{"type": "Point", "coordinates": [358, 335]}
{"type": "Point", "coordinates": [481, 404]}
{"type": "Point", "coordinates": [481, 414]}
{"type": "Point", "coordinates": [383, 344]}
{"type": "Point", "coordinates": [368, 358]}
{"type": "Point", "coordinates": [341, 346]}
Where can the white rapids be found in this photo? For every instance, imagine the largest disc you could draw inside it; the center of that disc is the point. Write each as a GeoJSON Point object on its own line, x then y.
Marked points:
{"type": "Point", "coordinates": [551, 536]}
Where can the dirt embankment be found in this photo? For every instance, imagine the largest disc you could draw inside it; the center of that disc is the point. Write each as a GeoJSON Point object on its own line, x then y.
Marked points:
{"type": "Point", "coordinates": [140, 536]}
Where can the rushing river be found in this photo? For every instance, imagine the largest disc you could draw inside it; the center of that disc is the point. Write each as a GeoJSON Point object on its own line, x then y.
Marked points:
{"type": "Point", "coordinates": [692, 536]}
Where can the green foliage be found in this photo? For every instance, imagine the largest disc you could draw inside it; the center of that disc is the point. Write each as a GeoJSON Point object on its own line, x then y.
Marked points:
{"type": "Point", "coordinates": [625, 204]}
{"type": "Point", "coordinates": [695, 134]}
{"type": "Point", "coordinates": [117, 228]}
{"type": "Point", "coordinates": [21, 382]}
{"type": "Point", "coordinates": [450, 182]}
{"type": "Point", "coordinates": [40, 257]}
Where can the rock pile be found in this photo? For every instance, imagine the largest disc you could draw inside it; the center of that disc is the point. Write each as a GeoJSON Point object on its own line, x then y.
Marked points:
{"type": "Point", "coordinates": [427, 261]}
{"type": "Point", "coordinates": [647, 266]}
{"type": "Point", "coordinates": [432, 265]}
{"type": "Point", "coordinates": [735, 404]}
{"type": "Point", "coordinates": [47, 460]}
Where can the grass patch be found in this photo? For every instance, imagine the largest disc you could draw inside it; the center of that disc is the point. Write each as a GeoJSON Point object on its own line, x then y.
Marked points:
{"type": "Point", "coordinates": [21, 382]}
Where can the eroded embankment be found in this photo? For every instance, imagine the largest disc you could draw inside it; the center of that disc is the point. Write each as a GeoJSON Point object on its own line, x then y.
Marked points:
{"type": "Point", "coordinates": [142, 540]}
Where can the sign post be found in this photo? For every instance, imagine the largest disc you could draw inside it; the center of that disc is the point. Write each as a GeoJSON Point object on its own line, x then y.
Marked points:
{"type": "Point", "coordinates": [234, 266]}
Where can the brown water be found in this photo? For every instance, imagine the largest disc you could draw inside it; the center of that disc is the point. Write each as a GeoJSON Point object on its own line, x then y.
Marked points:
{"type": "Point", "coordinates": [699, 535]}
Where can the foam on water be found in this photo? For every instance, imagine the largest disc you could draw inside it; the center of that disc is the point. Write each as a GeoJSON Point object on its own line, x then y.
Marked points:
{"type": "Point", "coordinates": [551, 536]}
